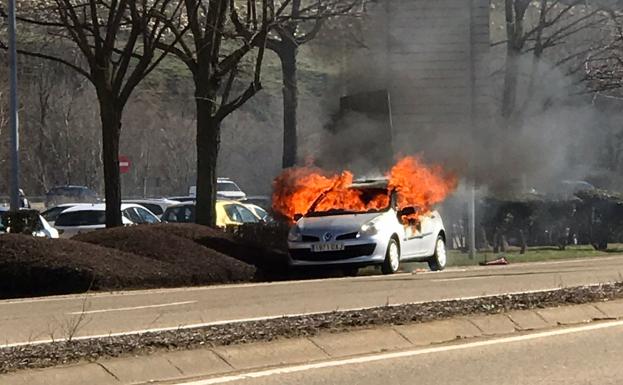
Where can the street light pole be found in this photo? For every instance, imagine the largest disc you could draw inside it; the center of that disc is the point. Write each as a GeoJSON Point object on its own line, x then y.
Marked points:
{"type": "Point", "coordinates": [14, 179]}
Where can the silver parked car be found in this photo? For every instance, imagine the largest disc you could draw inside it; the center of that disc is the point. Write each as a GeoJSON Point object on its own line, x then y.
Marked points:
{"type": "Point", "coordinates": [349, 239]}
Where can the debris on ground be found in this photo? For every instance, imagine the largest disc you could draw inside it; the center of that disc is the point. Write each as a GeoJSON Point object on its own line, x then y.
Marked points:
{"type": "Point", "coordinates": [496, 262]}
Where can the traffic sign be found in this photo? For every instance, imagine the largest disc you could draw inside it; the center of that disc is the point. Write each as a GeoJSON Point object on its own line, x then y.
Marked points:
{"type": "Point", "coordinates": [124, 164]}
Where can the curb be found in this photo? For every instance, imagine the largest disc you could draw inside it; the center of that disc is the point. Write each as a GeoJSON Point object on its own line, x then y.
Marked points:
{"type": "Point", "coordinates": [178, 365]}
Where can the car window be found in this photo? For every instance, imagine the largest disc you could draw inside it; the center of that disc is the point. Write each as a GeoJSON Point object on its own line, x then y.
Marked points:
{"type": "Point", "coordinates": [183, 214]}
{"type": "Point", "coordinates": [232, 213]}
{"type": "Point", "coordinates": [227, 186]}
{"type": "Point", "coordinates": [246, 215]}
{"type": "Point", "coordinates": [146, 215]}
{"type": "Point", "coordinates": [261, 212]}
{"type": "Point", "coordinates": [81, 218]}
{"type": "Point", "coordinates": [154, 208]}
{"type": "Point", "coordinates": [50, 215]}
{"type": "Point", "coordinates": [132, 215]}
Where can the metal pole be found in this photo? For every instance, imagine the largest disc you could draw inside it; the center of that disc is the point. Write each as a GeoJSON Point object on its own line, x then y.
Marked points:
{"type": "Point", "coordinates": [14, 179]}
{"type": "Point", "coordinates": [471, 217]}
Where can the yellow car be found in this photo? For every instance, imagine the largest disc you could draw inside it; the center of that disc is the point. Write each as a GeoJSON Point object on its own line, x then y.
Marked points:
{"type": "Point", "coordinates": [227, 213]}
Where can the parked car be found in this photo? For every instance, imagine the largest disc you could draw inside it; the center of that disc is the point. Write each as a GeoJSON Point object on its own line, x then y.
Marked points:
{"type": "Point", "coordinates": [263, 201]}
{"type": "Point", "coordinates": [155, 205]}
{"type": "Point", "coordinates": [182, 198]}
{"type": "Point", "coordinates": [42, 229]}
{"type": "Point", "coordinates": [85, 218]}
{"type": "Point", "coordinates": [259, 212]}
{"type": "Point", "coordinates": [227, 213]}
{"type": "Point", "coordinates": [52, 213]}
{"type": "Point", "coordinates": [70, 194]}
{"type": "Point", "coordinates": [352, 239]}
{"type": "Point", "coordinates": [225, 188]}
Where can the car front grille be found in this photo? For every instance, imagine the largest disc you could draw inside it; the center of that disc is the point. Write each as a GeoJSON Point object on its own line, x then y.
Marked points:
{"type": "Point", "coordinates": [310, 238]}
{"type": "Point", "coordinates": [347, 236]}
{"type": "Point", "coordinates": [348, 252]}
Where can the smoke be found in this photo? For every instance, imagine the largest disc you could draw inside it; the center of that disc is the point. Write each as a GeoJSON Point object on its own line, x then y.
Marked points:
{"type": "Point", "coordinates": [557, 132]}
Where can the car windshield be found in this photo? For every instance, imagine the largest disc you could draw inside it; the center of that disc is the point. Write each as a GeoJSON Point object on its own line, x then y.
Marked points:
{"type": "Point", "coordinates": [353, 200]}
{"type": "Point", "coordinates": [81, 218]}
{"type": "Point", "coordinates": [227, 187]}
{"type": "Point", "coordinates": [183, 214]}
{"type": "Point", "coordinates": [50, 215]}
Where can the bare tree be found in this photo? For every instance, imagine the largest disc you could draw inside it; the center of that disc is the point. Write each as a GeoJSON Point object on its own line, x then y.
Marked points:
{"type": "Point", "coordinates": [299, 24]}
{"type": "Point", "coordinates": [214, 54]}
{"type": "Point", "coordinates": [118, 41]}
{"type": "Point", "coordinates": [534, 27]}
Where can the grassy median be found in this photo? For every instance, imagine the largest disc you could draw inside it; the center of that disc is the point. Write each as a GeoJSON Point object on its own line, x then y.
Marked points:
{"type": "Point", "coordinates": [533, 254]}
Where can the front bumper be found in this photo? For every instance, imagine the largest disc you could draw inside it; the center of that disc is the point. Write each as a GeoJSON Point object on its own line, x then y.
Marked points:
{"type": "Point", "coordinates": [363, 251]}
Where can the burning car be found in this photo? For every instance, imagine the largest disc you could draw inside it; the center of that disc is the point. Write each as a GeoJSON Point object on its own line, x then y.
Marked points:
{"type": "Point", "coordinates": [375, 227]}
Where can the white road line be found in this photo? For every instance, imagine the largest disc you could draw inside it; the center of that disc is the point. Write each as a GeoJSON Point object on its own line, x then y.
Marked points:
{"type": "Point", "coordinates": [401, 354]}
{"type": "Point", "coordinates": [131, 308]}
{"type": "Point", "coordinates": [266, 318]}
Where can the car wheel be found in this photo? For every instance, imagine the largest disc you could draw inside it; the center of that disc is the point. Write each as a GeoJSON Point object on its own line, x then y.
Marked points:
{"type": "Point", "coordinates": [350, 271]}
{"type": "Point", "coordinates": [392, 258]}
{"type": "Point", "coordinates": [438, 261]}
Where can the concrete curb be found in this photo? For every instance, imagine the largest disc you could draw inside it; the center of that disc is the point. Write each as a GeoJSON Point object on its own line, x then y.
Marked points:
{"type": "Point", "coordinates": [220, 360]}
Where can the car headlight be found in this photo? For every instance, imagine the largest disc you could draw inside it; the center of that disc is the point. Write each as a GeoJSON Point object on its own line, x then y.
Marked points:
{"type": "Point", "coordinates": [295, 234]}
{"type": "Point", "coordinates": [369, 228]}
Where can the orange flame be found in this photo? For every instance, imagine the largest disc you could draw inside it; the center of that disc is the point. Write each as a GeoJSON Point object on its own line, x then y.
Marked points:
{"type": "Point", "coordinates": [417, 185]}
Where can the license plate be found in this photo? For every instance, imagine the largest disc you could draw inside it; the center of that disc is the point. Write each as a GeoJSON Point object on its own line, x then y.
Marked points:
{"type": "Point", "coordinates": [320, 247]}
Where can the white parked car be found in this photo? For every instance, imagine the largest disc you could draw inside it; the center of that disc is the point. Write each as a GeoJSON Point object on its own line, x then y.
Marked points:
{"type": "Point", "coordinates": [52, 213]}
{"type": "Point", "coordinates": [85, 218]}
{"type": "Point", "coordinates": [155, 205]}
{"type": "Point", "coordinates": [349, 239]}
{"type": "Point", "coordinates": [43, 228]}
{"type": "Point", "coordinates": [225, 189]}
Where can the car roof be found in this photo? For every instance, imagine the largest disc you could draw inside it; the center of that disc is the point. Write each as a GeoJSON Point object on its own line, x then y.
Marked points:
{"type": "Point", "coordinates": [193, 203]}
{"type": "Point", "coordinates": [151, 200]}
{"type": "Point", "coordinates": [98, 207]}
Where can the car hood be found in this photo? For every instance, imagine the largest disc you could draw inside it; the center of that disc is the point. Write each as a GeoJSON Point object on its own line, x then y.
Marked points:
{"type": "Point", "coordinates": [346, 223]}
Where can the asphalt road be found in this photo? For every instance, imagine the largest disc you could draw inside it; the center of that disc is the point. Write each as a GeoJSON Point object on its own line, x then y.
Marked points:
{"type": "Point", "coordinates": [42, 319]}
{"type": "Point", "coordinates": [578, 358]}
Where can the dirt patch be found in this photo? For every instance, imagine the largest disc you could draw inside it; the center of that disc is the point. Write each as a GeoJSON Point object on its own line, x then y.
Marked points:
{"type": "Point", "coordinates": [32, 266]}
{"type": "Point", "coordinates": [137, 257]}
{"type": "Point", "coordinates": [189, 260]}
{"type": "Point", "coordinates": [45, 355]}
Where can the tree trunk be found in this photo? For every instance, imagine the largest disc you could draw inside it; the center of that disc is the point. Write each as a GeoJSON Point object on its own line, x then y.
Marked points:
{"type": "Point", "coordinates": [208, 144]}
{"type": "Point", "coordinates": [111, 130]}
{"type": "Point", "coordinates": [287, 55]}
{"type": "Point", "coordinates": [509, 96]}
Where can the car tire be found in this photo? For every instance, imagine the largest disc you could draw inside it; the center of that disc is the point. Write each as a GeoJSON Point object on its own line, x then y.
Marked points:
{"type": "Point", "coordinates": [392, 257]}
{"type": "Point", "coordinates": [440, 258]}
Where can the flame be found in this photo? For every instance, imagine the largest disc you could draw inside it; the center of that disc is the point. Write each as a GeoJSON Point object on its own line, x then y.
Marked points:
{"type": "Point", "coordinates": [417, 185]}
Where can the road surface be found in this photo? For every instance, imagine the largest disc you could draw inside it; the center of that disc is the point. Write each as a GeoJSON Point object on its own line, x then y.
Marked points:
{"type": "Point", "coordinates": [43, 319]}
{"type": "Point", "coordinates": [581, 357]}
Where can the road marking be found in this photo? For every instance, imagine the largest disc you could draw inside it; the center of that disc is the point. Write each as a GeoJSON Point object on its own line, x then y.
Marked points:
{"type": "Point", "coordinates": [267, 318]}
{"type": "Point", "coordinates": [131, 308]}
{"type": "Point", "coordinates": [401, 354]}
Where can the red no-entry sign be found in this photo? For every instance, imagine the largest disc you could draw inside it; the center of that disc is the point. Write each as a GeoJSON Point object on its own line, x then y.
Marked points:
{"type": "Point", "coordinates": [124, 164]}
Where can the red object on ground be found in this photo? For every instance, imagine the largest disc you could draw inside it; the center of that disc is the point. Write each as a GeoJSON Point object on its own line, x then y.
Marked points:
{"type": "Point", "coordinates": [495, 262]}
{"type": "Point", "coordinates": [124, 164]}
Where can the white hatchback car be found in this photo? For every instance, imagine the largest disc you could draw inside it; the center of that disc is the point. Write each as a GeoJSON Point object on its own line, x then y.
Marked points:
{"type": "Point", "coordinates": [85, 218]}
{"type": "Point", "coordinates": [350, 240]}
